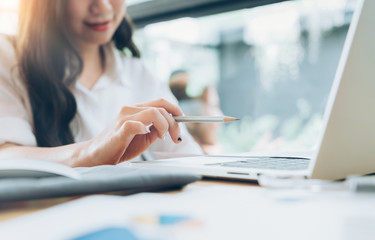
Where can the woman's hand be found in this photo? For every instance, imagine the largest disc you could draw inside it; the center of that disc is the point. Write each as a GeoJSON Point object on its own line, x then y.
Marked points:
{"type": "Point", "coordinates": [128, 136]}
{"type": "Point", "coordinates": [125, 138]}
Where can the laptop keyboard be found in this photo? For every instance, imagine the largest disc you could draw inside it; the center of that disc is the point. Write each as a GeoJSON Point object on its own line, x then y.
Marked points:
{"type": "Point", "coordinates": [275, 163]}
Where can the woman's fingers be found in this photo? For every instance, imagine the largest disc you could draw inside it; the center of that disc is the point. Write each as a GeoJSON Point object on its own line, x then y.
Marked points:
{"type": "Point", "coordinates": [168, 110]}
{"type": "Point", "coordinates": [131, 127]}
{"type": "Point", "coordinates": [162, 103]}
{"type": "Point", "coordinates": [128, 131]}
{"type": "Point", "coordinates": [128, 110]}
{"type": "Point", "coordinates": [111, 144]}
{"type": "Point", "coordinates": [174, 128]}
{"type": "Point", "coordinates": [130, 134]}
{"type": "Point", "coordinates": [135, 123]}
{"type": "Point", "coordinates": [153, 115]}
{"type": "Point", "coordinates": [131, 131]}
{"type": "Point", "coordinates": [162, 122]}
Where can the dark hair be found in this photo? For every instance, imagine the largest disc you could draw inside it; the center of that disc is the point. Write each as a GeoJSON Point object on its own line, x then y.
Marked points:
{"type": "Point", "coordinates": [178, 88]}
{"type": "Point", "coordinates": [178, 71]}
{"type": "Point", "coordinates": [50, 63]}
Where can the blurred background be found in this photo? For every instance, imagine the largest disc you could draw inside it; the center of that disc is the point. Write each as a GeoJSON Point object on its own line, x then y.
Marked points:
{"type": "Point", "coordinates": [270, 63]}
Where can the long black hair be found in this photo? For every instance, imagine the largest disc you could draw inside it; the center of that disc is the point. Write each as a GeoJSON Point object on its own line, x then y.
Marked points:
{"type": "Point", "coordinates": [49, 63]}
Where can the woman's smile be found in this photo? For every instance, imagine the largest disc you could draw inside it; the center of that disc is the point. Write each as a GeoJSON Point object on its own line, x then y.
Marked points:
{"type": "Point", "coordinates": [99, 26]}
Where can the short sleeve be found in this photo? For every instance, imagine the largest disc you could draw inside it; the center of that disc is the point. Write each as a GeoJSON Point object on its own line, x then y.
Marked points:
{"type": "Point", "coordinates": [15, 114]}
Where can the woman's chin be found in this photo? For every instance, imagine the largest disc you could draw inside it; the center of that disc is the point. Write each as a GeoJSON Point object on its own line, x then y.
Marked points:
{"type": "Point", "coordinates": [97, 40]}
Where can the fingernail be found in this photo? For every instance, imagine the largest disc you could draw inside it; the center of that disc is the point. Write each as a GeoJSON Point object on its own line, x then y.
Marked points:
{"type": "Point", "coordinates": [148, 128]}
{"type": "Point", "coordinates": [179, 139]}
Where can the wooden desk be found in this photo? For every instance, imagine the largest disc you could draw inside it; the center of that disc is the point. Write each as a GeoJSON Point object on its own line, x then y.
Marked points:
{"type": "Point", "coordinates": [13, 210]}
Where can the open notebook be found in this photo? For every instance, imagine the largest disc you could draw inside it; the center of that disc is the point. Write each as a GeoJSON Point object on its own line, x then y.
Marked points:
{"type": "Point", "coordinates": [28, 179]}
{"type": "Point", "coordinates": [34, 168]}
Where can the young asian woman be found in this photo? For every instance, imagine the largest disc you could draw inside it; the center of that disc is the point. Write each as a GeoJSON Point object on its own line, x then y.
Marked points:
{"type": "Point", "coordinates": [69, 93]}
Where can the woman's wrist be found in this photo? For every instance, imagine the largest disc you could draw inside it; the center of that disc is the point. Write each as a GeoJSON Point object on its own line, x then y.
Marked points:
{"type": "Point", "coordinates": [82, 156]}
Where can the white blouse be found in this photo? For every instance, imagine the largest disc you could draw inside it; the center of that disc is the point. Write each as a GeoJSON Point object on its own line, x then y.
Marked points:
{"type": "Point", "coordinates": [126, 81]}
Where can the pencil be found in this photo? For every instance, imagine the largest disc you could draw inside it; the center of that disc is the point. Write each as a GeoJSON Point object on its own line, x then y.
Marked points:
{"type": "Point", "coordinates": [204, 119]}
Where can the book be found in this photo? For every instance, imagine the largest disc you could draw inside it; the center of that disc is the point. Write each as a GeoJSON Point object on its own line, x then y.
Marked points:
{"type": "Point", "coordinates": [34, 168]}
{"type": "Point", "coordinates": [123, 179]}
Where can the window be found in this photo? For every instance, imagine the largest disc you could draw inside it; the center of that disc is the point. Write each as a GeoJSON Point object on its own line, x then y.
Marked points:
{"type": "Point", "coordinates": [272, 65]}
{"type": "Point", "coordinates": [8, 16]}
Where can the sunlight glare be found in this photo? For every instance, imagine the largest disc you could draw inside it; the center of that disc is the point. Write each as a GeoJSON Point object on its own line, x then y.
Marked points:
{"type": "Point", "coordinates": [8, 16]}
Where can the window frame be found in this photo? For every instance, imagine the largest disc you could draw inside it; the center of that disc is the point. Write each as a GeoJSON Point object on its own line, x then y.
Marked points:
{"type": "Point", "coordinates": [162, 10]}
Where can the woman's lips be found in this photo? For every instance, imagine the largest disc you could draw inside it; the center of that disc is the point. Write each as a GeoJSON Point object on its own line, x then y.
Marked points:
{"type": "Point", "coordinates": [100, 26]}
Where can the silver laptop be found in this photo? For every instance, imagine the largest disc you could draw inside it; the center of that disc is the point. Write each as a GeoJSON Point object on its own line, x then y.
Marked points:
{"type": "Point", "coordinates": [347, 145]}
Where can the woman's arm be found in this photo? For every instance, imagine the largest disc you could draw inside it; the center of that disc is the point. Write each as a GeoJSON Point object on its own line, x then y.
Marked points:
{"type": "Point", "coordinates": [68, 154]}
{"type": "Point", "coordinates": [125, 138]}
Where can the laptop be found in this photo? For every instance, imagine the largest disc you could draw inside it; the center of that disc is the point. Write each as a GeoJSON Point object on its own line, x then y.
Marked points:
{"type": "Point", "coordinates": [347, 144]}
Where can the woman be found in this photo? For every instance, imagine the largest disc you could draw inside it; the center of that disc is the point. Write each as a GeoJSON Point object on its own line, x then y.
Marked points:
{"type": "Point", "coordinates": [67, 98]}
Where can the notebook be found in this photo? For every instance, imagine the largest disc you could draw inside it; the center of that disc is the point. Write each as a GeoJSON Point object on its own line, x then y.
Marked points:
{"type": "Point", "coordinates": [22, 167]}
{"type": "Point", "coordinates": [347, 144]}
{"type": "Point", "coordinates": [30, 179]}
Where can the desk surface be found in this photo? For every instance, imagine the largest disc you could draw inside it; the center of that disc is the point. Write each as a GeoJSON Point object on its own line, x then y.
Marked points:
{"type": "Point", "coordinates": [10, 211]}
{"type": "Point", "coordinates": [252, 212]}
